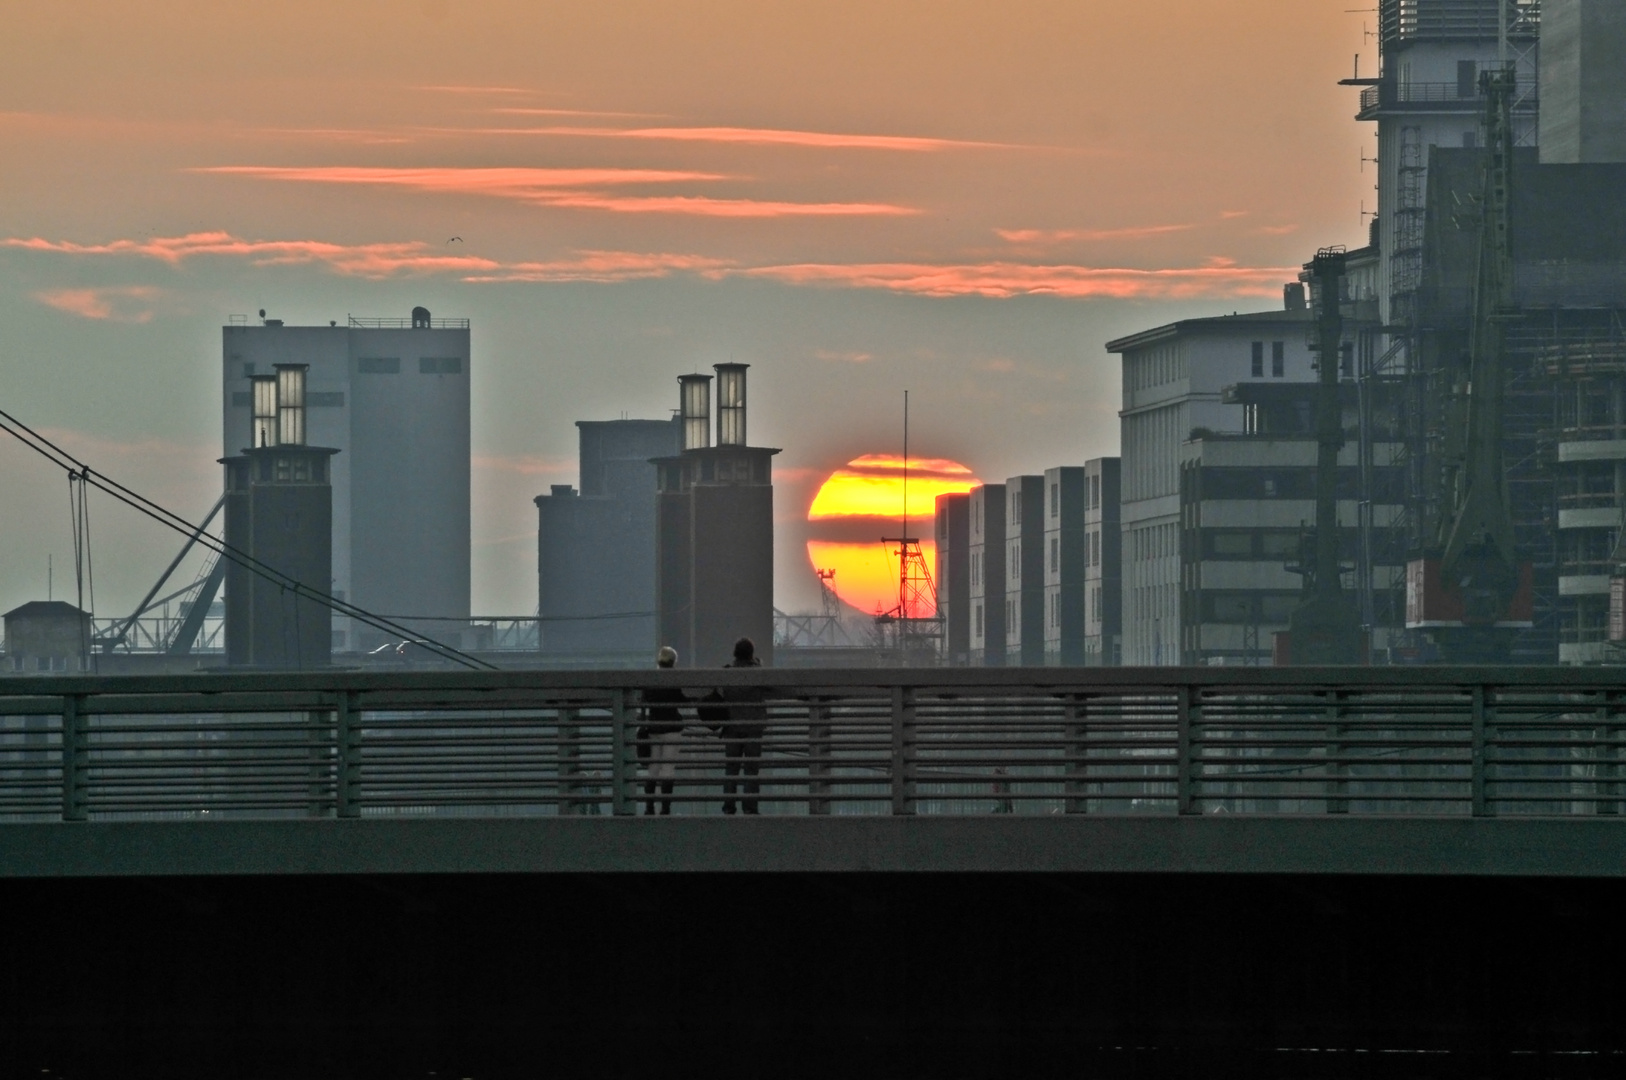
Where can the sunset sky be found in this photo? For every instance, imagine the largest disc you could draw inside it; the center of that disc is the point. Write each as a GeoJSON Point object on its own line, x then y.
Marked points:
{"type": "Point", "coordinates": [962, 200]}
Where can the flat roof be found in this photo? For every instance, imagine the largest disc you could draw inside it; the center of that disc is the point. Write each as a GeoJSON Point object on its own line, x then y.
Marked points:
{"type": "Point", "coordinates": [1279, 317]}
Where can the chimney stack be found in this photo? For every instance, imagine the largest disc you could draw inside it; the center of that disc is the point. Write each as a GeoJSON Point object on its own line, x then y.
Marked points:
{"type": "Point", "coordinates": [730, 404]}
{"type": "Point", "coordinates": [265, 411]}
{"type": "Point", "coordinates": [694, 404]}
{"type": "Point", "coordinates": [291, 404]}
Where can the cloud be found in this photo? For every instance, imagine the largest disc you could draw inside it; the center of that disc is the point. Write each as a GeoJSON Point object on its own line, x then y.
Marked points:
{"type": "Point", "coordinates": [572, 189]}
{"type": "Point", "coordinates": [115, 303]}
{"type": "Point", "coordinates": [1006, 279]}
{"type": "Point", "coordinates": [519, 111]}
{"type": "Point", "coordinates": [822, 140]}
{"type": "Point", "coordinates": [360, 260]}
{"type": "Point", "coordinates": [843, 357]}
{"type": "Point", "coordinates": [1228, 214]}
{"type": "Point", "coordinates": [1220, 278]}
{"type": "Point", "coordinates": [1057, 236]}
{"type": "Point", "coordinates": [477, 89]}
{"type": "Point", "coordinates": [1278, 230]}
{"type": "Point", "coordinates": [602, 266]}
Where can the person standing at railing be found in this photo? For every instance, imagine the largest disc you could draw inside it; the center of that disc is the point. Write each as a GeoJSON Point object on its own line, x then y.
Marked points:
{"type": "Point", "coordinates": [742, 730]}
{"type": "Point", "coordinates": [660, 739]}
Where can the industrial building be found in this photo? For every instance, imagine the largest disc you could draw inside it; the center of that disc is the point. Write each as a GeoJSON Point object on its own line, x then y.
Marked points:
{"type": "Point", "coordinates": [596, 545]}
{"type": "Point", "coordinates": [953, 577]}
{"type": "Point", "coordinates": [1505, 265]}
{"type": "Point", "coordinates": [986, 515]}
{"type": "Point", "coordinates": [1103, 574]}
{"type": "Point", "coordinates": [392, 397]}
{"type": "Point", "coordinates": [1066, 559]}
{"type": "Point", "coordinates": [714, 529]}
{"type": "Point", "coordinates": [279, 517]}
{"type": "Point", "coordinates": [46, 637]}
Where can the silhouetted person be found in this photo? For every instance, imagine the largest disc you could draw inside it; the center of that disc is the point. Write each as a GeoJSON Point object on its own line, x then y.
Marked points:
{"type": "Point", "coordinates": [742, 731]}
{"type": "Point", "coordinates": [660, 739]}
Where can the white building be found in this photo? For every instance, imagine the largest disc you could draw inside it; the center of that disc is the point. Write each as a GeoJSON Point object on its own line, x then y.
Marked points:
{"type": "Point", "coordinates": [392, 396]}
{"type": "Point", "coordinates": [1173, 379]}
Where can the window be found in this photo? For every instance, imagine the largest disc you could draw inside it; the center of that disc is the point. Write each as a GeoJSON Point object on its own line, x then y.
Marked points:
{"type": "Point", "coordinates": [1470, 140]}
{"type": "Point", "coordinates": [1055, 500]}
{"type": "Point", "coordinates": [978, 610]}
{"type": "Point", "coordinates": [1278, 359]}
{"type": "Point", "coordinates": [378, 365]}
{"type": "Point", "coordinates": [1054, 548]}
{"type": "Point", "coordinates": [1095, 493]}
{"type": "Point", "coordinates": [1346, 361]}
{"type": "Point", "coordinates": [440, 365]}
{"type": "Point", "coordinates": [1258, 359]}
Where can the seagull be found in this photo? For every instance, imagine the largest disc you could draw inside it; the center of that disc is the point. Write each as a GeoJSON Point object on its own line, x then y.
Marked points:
{"type": "Point", "coordinates": [455, 239]}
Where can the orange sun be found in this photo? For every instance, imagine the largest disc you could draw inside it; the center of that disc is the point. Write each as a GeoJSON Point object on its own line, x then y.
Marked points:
{"type": "Point", "coordinates": [862, 502]}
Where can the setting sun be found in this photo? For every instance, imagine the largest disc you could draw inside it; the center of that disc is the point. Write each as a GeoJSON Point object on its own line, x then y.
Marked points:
{"type": "Point", "coordinates": [863, 501]}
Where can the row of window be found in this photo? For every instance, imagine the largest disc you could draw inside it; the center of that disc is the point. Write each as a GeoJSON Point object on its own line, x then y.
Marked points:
{"type": "Point", "coordinates": [391, 365]}
{"type": "Point", "coordinates": [1093, 605]}
{"type": "Point", "coordinates": [1278, 359]}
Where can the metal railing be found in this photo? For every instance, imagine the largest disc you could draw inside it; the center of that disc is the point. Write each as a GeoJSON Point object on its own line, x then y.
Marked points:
{"type": "Point", "coordinates": [1391, 93]}
{"type": "Point", "coordinates": [357, 322]}
{"type": "Point", "coordinates": [1036, 741]}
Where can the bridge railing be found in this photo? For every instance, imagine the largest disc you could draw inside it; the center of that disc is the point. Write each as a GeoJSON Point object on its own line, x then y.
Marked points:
{"type": "Point", "coordinates": [1029, 741]}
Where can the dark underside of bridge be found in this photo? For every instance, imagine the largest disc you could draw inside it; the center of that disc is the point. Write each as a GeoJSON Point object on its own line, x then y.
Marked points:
{"type": "Point", "coordinates": [1291, 970]}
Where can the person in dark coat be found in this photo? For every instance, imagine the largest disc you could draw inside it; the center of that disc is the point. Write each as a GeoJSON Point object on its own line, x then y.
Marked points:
{"type": "Point", "coordinates": [660, 738]}
{"type": "Point", "coordinates": [742, 731]}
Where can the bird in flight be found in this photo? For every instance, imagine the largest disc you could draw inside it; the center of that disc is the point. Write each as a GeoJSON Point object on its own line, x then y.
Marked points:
{"type": "Point", "coordinates": [456, 239]}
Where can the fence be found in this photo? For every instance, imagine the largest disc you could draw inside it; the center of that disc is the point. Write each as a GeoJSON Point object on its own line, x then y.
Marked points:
{"type": "Point", "coordinates": [1036, 741]}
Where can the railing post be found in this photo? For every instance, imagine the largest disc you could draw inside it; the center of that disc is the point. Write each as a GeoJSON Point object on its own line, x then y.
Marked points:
{"type": "Point", "coordinates": [818, 757]}
{"type": "Point", "coordinates": [1077, 770]}
{"type": "Point", "coordinates": [903, 724]}
{"type": "Point", "coordinates": [347, 756]}
{"type": "Point", "coordinates": [1338, 785]}
{"type": "Point", "coordinates": [1478, 795]}
{"type": "Point", "coordinates": [1186, 715]}
{"type": "Point", "coordinates": [569, 752]}
{"type": "Point", "coordinates": [623, 770]}
{"type": "Point", "coordinates": [73, 764]}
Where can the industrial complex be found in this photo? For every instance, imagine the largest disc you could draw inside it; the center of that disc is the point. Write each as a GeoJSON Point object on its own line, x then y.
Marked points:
{"type": "Point", "coordinates": [1418, 456]}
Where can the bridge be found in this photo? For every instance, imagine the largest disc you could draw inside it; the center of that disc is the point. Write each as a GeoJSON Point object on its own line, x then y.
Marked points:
{"type": "Point", "coordinates": [1278, 871]}
{"type": "Point", "coordinates": [1379, 771]}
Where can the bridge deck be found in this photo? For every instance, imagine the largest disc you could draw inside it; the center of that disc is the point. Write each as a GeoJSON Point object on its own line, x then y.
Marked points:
{"type": "Point", "coordinates": [1213, 844]}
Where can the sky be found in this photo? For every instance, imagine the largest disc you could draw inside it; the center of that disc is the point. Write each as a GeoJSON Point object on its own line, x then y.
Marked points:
{"type": "Point", "coordinates": [961, 200]}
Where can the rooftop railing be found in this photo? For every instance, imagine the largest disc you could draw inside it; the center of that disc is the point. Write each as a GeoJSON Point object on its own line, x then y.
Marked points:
{"type": "Point", "coordinates": [1387, 94]}
{"type": "Point", "coordinates": [359, 323]}
{"type": "Point", "coordinates": [1544, 741]}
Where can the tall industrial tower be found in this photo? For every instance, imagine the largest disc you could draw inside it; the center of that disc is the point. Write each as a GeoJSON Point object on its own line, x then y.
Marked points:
{"type": "Point", "coordinates": [392, 395]}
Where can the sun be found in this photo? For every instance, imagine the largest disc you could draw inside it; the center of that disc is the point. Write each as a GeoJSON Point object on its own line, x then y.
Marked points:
{"type": "Point", "coordinates": [860, 503]}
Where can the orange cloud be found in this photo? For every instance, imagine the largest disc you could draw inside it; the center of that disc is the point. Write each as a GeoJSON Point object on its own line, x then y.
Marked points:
{"type": "Point", "coordinates": [565, 188]}
{"type": "Point", "coordinates": [601, 266]}
{"type": "Point", "coordinates": [1001, 280]}
{"type": "Point", "coordinates": [361, 260]}
{"type": "Point", "coordinates": [112, 303]}
{"type": "Point", "coordinates": [1057, 236]}
{"type": "Point", "coordinates": [824, 140]}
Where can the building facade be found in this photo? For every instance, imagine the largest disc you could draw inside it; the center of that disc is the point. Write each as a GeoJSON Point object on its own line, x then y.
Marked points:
{"type": "Point", "coordinates": [1174, 378]}
{"type": "Point", "coordinates": [1024, 571]}
{"type": "Point", "coordinates": [953, 575]}
{"type": "Point", "coordinates": [714, 530]}
{"type": "Point", "coordinates": [46, 637]}
{"type": "Point", "coordinates": [1066, 562]}
{"type": "Point", "coordinates": [986, 515]}
{"type": "Point", "coordinates": [596, 546]}
{"type": "Point", "coordinates": [1103, 575]}
{"type": "Point", "coordinates": [392, 396]}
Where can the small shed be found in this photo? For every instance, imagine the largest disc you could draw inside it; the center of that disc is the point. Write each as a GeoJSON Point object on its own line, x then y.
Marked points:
{"type": "Point", "coordinates": [46, 636]}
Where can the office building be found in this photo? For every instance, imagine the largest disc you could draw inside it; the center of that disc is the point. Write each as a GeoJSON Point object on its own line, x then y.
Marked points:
{"type": "Point", "coordinates": [1024, 571]}
{"type": "Point", "coordinates": [953, 576]}
{"type": "Point", "coordinates": [392, 397]}
{"type": "Point", "coordinates": [986, 515]}
{"type": "Point", "coordinates": [596, 545]}
{"type": "Point", "coordinates": [1103, 576]}
{"type": "Point", "coordinates": [1066, 557]}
